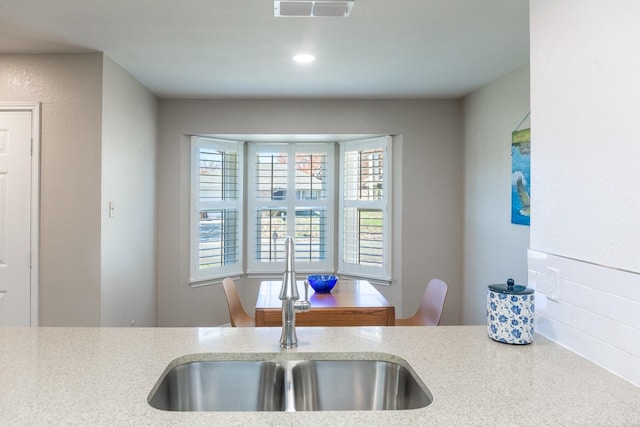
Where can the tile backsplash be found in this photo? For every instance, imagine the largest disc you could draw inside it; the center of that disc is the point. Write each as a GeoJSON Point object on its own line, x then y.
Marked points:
{"type": "Point", "coordinates": [589, 309]}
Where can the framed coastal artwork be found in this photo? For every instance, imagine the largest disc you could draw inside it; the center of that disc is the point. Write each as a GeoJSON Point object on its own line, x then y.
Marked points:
{"type": "Point", "coordinates": [521, 177]}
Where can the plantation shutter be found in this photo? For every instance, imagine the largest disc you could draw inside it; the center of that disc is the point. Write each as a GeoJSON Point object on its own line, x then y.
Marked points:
{"type": "Point", "coordinates": [290, 194]}
{"type": "Point", "coordinates": [364, 231]}
{"type": "Point", "coordinates": [216, 215]}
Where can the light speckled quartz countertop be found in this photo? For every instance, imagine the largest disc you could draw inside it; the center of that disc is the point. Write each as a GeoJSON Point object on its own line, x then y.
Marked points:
{"type": "Point", "coordinates": [103, 376]}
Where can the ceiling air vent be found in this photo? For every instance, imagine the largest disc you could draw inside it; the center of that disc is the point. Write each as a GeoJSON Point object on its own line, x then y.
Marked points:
{"type": "Point", "coordinates": [308, 8]}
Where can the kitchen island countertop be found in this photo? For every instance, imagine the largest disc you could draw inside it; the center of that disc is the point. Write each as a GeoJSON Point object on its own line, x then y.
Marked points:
{"type": "Point", "coordinates": [103, 376]}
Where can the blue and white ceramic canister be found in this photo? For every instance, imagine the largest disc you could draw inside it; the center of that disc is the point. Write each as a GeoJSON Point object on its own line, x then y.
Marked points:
{"type": "Point", "coordinates": [510, 310]}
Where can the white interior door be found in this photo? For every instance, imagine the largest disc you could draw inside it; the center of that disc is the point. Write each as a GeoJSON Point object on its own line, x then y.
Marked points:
{"type": "Point", "coordinates": [15, 217]}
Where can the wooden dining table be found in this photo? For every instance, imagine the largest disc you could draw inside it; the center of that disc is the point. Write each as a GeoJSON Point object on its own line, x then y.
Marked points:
{"type": "Point", "coordinates": [350, 303]}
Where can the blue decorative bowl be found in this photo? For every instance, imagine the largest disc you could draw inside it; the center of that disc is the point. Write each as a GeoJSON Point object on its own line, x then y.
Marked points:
{"type": "Point", "coordinates": [322, 283]}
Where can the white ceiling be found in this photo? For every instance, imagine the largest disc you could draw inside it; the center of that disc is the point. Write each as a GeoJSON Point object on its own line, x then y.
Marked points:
{"type": "Point", "coordinates": [237, 48]}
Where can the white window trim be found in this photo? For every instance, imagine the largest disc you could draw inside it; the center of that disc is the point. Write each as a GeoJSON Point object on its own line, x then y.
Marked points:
{"type": "Point", "coordinates": [255, 267]}
{"type": "Point", "coordinates": [382, 273]}
{"type": "Point", "coordinates": [247, 223]}
{"type": "Point", "coordinates": [200, 276]}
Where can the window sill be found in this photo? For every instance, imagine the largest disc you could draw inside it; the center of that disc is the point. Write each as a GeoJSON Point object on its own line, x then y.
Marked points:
{"type": "Point", "coordinates": [278, 276]}
{"type": "Point", "coordinates": [211, 281]}
{"type": "Point", "coordinates": [372, 280]}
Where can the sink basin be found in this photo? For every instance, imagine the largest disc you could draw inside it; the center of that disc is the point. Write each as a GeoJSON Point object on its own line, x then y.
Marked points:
{"type": "Point", "coordinates": [335, 385]}
{"type": "Point", "coordinates": [291, 382]}
{"type": "Point", "coordinates": [221, 386]}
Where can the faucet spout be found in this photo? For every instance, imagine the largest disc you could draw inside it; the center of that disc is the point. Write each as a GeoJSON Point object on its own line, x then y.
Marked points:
{"type": "Point", "coordinates": [289, 288]}
{"type": "Point", "coordinates": [289, 296]}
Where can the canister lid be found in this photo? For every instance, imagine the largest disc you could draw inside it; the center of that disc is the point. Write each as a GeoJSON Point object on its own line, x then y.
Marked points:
{"type": "Point", "coordinates": [510, 288]}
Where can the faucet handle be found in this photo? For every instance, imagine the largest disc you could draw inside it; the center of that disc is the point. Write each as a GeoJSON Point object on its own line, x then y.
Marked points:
{"type": "Point", "coordinates": [301, 306]}
{"type": "Point", "coordinates": [305, 305]}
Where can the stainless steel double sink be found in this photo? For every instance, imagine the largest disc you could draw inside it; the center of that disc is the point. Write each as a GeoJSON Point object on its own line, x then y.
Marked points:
{"type": "Point", "coordinates": [291, 382]}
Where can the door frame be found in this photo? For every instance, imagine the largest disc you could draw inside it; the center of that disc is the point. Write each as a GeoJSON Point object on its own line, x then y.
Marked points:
{"type": "Point", "coordinates": [34, 108]}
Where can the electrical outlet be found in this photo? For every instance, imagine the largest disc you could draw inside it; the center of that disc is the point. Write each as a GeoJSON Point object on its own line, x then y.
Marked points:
{"type": "Point", "coordinates": [553, 284]}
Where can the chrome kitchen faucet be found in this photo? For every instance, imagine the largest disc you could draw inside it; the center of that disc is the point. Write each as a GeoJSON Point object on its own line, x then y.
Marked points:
{"type": "Point", "coordinates": [290, 298]}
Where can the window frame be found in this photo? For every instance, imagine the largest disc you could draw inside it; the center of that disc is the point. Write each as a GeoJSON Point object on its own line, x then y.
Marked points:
{"type": "Point", "coordinates": [246, 264]}
{"type": "Point", "coordinates": [255, 267]}
{"type": "Point", "coordinates": [197, 274]}
{"type": "Point", "coordinates": [383, 272]}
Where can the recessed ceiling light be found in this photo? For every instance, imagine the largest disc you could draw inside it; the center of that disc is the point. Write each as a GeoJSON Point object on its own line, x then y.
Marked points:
{"type": "Point", "coordinates": [304, 58]}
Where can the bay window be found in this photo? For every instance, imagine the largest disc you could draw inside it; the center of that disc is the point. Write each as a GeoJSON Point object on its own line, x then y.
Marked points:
{"type": "Point", "coordinates": [334, 199]}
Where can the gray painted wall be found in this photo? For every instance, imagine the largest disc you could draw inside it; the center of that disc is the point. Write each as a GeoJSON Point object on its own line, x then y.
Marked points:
{"type": "Point", "coordinates": [494, 249]}
{"type": "Point", "coordinates": [129, 135]}
{"type": "Point", "coordinates": [69, 86]}
{"type": "Point", "coordinates": [427, 198]}
{"type": "Point", "coordinates": [98, 134]}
